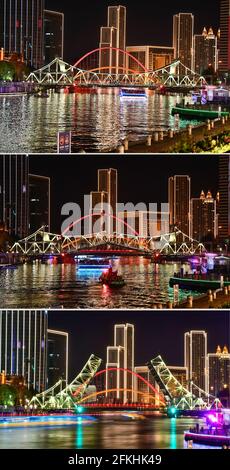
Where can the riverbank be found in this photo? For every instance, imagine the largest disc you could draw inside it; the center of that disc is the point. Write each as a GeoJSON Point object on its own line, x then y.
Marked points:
{"type": "Point", "coordinates": [211, 137]}
{"type": "Point", "coordinates": [219, 299]}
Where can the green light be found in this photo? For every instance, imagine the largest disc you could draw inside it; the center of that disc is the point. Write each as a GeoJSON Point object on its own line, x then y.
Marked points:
{"type": "Point", "coordinates": [80, 409]}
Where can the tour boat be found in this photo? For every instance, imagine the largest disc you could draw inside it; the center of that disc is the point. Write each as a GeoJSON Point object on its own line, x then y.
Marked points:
{"type": "Point", "coordinates": [93, 263]}
{"type": "Point", "coordinates": [216, 431]}
{"type": "Point", "coordinates": [133, 93]}
{"type": "Point", "coordinates": [112, 279]}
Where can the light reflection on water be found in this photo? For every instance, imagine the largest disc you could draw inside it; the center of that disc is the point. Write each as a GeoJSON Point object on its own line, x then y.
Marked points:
{"type": "Point", "coordinates": [44, 286]}
{"type": "Point", "coordinates": [105, 433]}
{"type": "Point", "coordinates": [99, 122]}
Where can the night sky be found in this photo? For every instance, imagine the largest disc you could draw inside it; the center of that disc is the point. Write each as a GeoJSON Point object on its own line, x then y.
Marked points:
{"type": "Point", "coordinates": [140, 178]}
{"type": "Point", "coordinates": [148, 22]}
{"type": "Point", "coordinates": [155, 333]}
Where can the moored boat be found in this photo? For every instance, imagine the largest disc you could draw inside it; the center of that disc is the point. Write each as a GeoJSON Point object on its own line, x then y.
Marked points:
{"type": "Point", "coordinates": [188, 112]}
{"type": "Point", "coordinates": [197, 283]}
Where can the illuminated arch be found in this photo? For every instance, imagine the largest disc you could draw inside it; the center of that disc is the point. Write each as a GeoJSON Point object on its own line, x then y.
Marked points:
{"type": "Point", "coordinates": [126, 69]}
{"type": "Point", "coordinates": [112, 390]}
{"type": "Point", "coordinates": [121, 369]}
{"type": "Point", "coordinates": [137, 234]}
{"type": "Point", "coordinates": [112, 49]}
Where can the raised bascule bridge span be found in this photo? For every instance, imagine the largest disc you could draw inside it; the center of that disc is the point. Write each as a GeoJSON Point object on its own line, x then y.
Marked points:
{"type": "Point", "coordinates": [86, 72]}
{"type": "Point", "coordinates": [162, 393]}
{"type": "Point", "coordinates": [42, 243]}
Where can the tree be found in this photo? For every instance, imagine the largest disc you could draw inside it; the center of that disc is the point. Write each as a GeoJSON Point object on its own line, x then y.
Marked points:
{"type": "Point", "coordinates": [7, 71]}
{"type": "Point", "coordinates": [8, 395]}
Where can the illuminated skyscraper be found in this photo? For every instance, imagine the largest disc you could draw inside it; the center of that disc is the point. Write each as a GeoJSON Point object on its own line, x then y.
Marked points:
{"type": "Point", "coordinates": [57, 357]}
{"type": "Point", "coordinates": [39, 202]}
{"type": "Point", "coordinates": [14, 194]}
{"type": "Point", "coordinates": [54, 35]}
{"type": "Point", "coordinates": [121, 355]}
{"type": "Point", "coordinates": [183, 31]}
{"type": "Point", "coordinates": [205, 51]}
{"type": "Point", "coordinates": [224, 194]}
{"type": "Point", "coordinates": [224, 57]}
{"type": "Point", "coordinates": [23, 345]}
{"type": "Point", "coordinates": [22, 30]}
{"type": "Point", "coordinates": [152, 57]}
{"type": "Point", "coordinates": [114, 35]}
{"type": "Point", "coordinates": [107, 182]}
{"type": "Point", "coordinates": [204, 220]}
{"type": "Point", "coordinates": [98, 207]}
{"type": "Point", "coordinates": [218, 368]}
{"type": "Point", "coordinates": [108, 57]}
{"type": "Point", "coordinates": [179, 195]}
{"type": "Point", "coordinates": [195, 354]}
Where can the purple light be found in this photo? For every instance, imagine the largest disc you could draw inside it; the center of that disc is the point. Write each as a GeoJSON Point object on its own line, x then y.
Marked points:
{"type": "Point", "coordinates": [213, 419]}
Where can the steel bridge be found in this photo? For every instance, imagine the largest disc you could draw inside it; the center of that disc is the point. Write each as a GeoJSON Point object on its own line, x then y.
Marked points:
{"type": "Point", "coordinates": [170, 391]}
{"type": "Point", "coordinates": [61, 74]}
{"type": "Point", "coordinates": [176, 394]}
{"type": "Point", "coordinates": [42, 243]}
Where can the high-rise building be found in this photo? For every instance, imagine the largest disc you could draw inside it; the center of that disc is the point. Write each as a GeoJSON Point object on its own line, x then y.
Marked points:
{"type": "Point", "coordinates": [224, 197]}
{"type": "Point", "coordinates": [114, 35]}
{"type": "Point", "coordinates": [224, 57]}
{"type": "Point", "coordinates": [121, 355]}
{"type": "Point", "coordinates": [57, 357]}
{"type": "Point", "coordinates": [183, 31]}
{"type": "Point", "coordinates": [204, 220]}
{"type": "Point", "coordinates": [22, 30]}
{"type": "Point", "coordinates": [218, 369]}
{"type": "Point", "coordinates": [205, 48]}
{"type": "Point", "coordinates": [143, 393]}
{"type": "Point", "coordinates": [14, 194]}
{"type": "Point", "coordinates": [23, 345]}
{"type": "Point", "coordinates": [107, 182]}
{"type": "Point", "coordinates": [143, 223]}
{"type": "Point", "coordinates": [195, 353]}
{"type": "Point", "coordinates": [39, 202]}
{"type": "Point", "coordinates": [99, 207]}
{"type": "Point", "coordinates": [152, 57]}
{"type": "Point", "coordinates": [54, 35]}
{"type": "Point", "coordinates": [179, 195]}
{"type": "Point", "coordinates": [115, 376]}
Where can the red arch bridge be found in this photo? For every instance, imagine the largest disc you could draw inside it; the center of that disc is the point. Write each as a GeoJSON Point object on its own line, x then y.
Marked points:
{"type": "Point", "coordinates": [42, 243]}
{"type": "Point", "coordinates": [161, 392]}
{"type": "Point", "coordinates": [90, 71]}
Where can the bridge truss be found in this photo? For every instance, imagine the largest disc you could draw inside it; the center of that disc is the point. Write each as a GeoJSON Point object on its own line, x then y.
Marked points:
{"type": "Point", "coordinates": [43, 243]}
{"type": "Point", "coordinates": [60, 73]}
{"type": "Point", "coordinates": [58, 397]}
{"type": "Point", "coordinates": [176, 394]}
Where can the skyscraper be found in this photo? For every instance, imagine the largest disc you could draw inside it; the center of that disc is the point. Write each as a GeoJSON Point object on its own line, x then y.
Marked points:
{"type": "Point", "coordinates": [183, 31]}
{"type": "Point", "coordinates": [224, 190]}
{"type": "Point", "coordinates": [39, 202]}
{"type": "Point", "coordinates": [107, 182]}
{"type": "Point", "coordinates": [179, 195]}
{"type": "Point", "coordinates": [14, 194]}
{"type": "Point", "coordinates": [152, 57]}
{"type": "Point", "coordinates": [195, 353]}
{"type": "Point", "coordinates": [204, 220]}
{"type": "Point", "coordinates": [224, 58]}
{"type": "Point", "coordinates": [54, 35]}
{"type": "Point", "coordinates": [218, 369]}
{"type": "Point", "coordinates": [114, 35]}
{"type": "Point", "coordinates": [114, 376]}
{"type": "Point", "coordinates": [121, 355]}
{"type": "Point", "coordinates": [23, 345]}
{"type": "Point", "coordinates": [57, 357]}
{"type": "Point", "coordinates": [22, 30]}
{"type": "Point", "coordinates": [99, 207]}
{"type": "Point", "coordinates": [205, 51]}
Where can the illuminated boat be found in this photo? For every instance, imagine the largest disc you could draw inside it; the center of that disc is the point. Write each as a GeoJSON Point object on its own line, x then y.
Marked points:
{"type": "Point", "coordinates": [93, 263]}
{"type": "Point", "coordinates": [133, 93]}
{"type": "Point", "coordinates": [215, 433]}
{"type": "Point", "coordinates": [112, 279]}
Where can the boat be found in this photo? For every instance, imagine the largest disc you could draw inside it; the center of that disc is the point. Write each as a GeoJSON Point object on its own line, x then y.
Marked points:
{"type": "Point", "coordinates": [112, 279]}
{"type": "Point", "coordinates": [133, 93]}
{"type": "Point", "coordinates": [216, 431]}
{"type": "Point", "coordinates": [92, 263]}
{"type": "Point", "coordinates": [188, 112]}
{"type": "Point", "coordinates": [198, 283]}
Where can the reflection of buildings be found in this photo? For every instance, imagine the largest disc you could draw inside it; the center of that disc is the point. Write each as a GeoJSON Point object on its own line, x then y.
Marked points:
{"type": "Point", "coordinates": [205, 51]}
{"type": "Point", "coordinates": [121, 355]}
{"type": "Point", "coordinates": [195, 353]}
{"type": "Point", "coordinates": [39, 202]}
{"type": "Point", "coordinates": [224, 62]}
{"type": "Point", "coordinates": [114, 35]}
{"type": "Point", "coordinates": [224, 189]}
{"type": "Point", "coordinates": [57, 357]}
{"type": "Point", "coordinates": [152, 57]}
{"type": "Point", "coordinates": [183, 29]}
{"type": "Point", "coordinates": [54, 35]}
{"type": "Point", "coordinates": [23, 345]}
{"type": "Point", "coordinates": [14, 194]}
{"type": "Point", "coordinates": [204, 220]}
{"type": "Point", "coordinates": [22, 30]}
{"type": "Point", "coordinates": [218, 370]}
{"type": "Point", "coordinates": [179, 195]}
